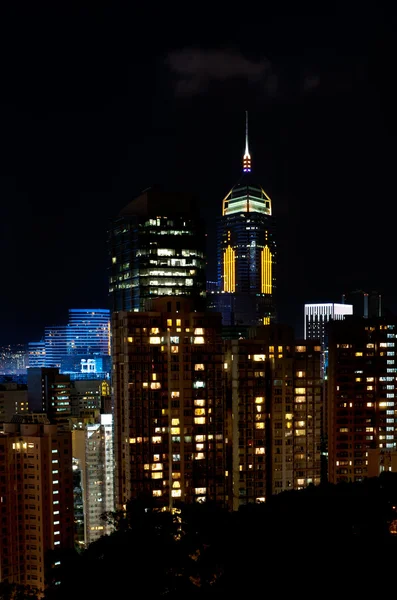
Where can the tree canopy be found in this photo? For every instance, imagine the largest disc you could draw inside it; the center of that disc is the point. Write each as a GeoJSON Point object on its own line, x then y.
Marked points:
{"type": "Point", "coordinates": [330, 538]}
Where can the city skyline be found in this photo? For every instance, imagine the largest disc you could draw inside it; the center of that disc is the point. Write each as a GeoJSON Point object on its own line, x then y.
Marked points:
{"type": "Point", "coordinates": [85, 132]}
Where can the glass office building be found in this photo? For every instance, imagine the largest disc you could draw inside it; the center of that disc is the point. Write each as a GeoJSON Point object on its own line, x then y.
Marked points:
{"type": "Point", "coordinates": [246, 253]}
{"type": "Point", "coordinates": [156, 247]}
{"type": "Point", "coordinates": [80, 348]}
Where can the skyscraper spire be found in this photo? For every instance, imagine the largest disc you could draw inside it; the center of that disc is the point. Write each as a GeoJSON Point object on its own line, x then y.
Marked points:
{"type": "Point", "coordinates": [247, 156]}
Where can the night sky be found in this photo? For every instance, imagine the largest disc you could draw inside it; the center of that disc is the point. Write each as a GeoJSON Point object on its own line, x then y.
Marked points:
{"type": "Point", "coordinates": [97, 104]}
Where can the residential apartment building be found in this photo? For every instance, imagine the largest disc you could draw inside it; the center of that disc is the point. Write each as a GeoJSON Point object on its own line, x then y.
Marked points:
{"type": "Point", "coordinates": [36, 497]}
{"type": "Point", "coordinates": [274, 402]}
{"type": "Point", "coordinates": [168, 404]}
{"type": "Point", "coordinates": [362, 397]}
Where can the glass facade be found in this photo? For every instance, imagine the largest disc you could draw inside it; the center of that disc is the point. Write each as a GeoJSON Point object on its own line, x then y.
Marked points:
{"type": "Point", "coordinates": [81, 347]}
{"type": "Point", "coordinates": [156, 246]}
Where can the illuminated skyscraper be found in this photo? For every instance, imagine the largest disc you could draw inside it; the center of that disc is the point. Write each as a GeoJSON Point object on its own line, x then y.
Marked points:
{"type": "Point", "coordinates": [362, 392]}
{"type": "Point", "coordinates": [156, 247]}
{"type": "Point", "coordinates": [168, 404]}
{"type": "Point", "coordinates": [273, 428]}
{"type": "Point", "coordinates": [36, 497]}
{"type": "Point", "coordinates": [246, 253]}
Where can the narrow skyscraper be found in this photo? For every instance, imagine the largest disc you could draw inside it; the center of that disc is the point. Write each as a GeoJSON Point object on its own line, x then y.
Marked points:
{"type": "Point", "coordinates": [246, 252]}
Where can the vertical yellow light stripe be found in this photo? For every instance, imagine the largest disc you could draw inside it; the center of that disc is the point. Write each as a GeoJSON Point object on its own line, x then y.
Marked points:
{"type": "Point", "coordinates": [229, 275]}
{"type": "Point", "coordinates": [266, 320]}
{"type": "Point", "coordinates": [266, 268]}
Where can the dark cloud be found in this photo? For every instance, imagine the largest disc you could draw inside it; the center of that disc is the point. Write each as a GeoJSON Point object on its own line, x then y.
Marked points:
{"type": "Point", "coordinates": [195, 69]}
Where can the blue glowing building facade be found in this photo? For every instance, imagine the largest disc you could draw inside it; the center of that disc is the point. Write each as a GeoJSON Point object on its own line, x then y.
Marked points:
{"type": "Point", "coordinates": [246, 253]}
{"type": "Point", "coordinates": [81, 348]}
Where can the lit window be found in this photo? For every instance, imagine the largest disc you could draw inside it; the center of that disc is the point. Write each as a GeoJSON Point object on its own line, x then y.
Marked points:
{"type": "Point", "coordinates": [169, 322]}
{"type": "Point", "coordinates": [199, 402]}
{"type": "Point", "coordinates": [198, 340]}
{"type": "Point", "coordinates": [199, 411]}
{"type": "Point", "coordinates": [174, 422]}
{"type": "Point", "coordinates": [176, 493]}
{"type": "Point", "coordinates": [259, 357]}
{"type": "Point", "coordinates": [300, 348]}
{"type": "Point", "coordinates": [199, 420]}
{"type": "Point", "coordinates": [259, 426]}
{"type": "Point", "coordinates": [259, 451]}
{"type": "Point", "coordinates": [157, 493]}
{"type": "Point", "coordinates": [259, 400]}
{"type": "Point", "coordinates": [130, 340]}
{"type": "Point", "coordinates": [199, 367]}
{"type": "Point", "coordinates": [154, 340]}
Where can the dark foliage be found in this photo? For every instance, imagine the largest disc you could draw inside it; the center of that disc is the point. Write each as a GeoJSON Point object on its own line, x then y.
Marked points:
{"type": "Point", "coordinates": [326, 539]}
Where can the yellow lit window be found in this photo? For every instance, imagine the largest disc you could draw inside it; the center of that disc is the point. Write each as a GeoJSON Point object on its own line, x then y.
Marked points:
{"type": "Point", "coordinates": [174, 422]}
{"type": "Point", "coordinates": [259, 451]}
{"type": "Point", "coordinates": [155, 330]}
{"type": "Point", "coordinates": [169, 322]}
{"type": "Point", "coordinates": [200, 438]}
{"type": "Point", "coordinates": [358, 354]}
{"type": "Point", "coordinates": [146, 467]}
{"type": "Point", "coordinates": [157, 466]}
{"type": "Point", "coordinates": [199, 420]}
{"type": "Point", "coordinates": [199, 402]}
{"type": "Point", "coordinates": [174, 349]}
{"type": "Point", "coordinates": [259, 426]}
{"type": "Point", "coordinates": [199, 456]}
{"type": "Point", "coordinates": [176, 485]}
{"type": "Point", "coordinates": [300, 374]}
{"type": "Point", "coordinates": [370, 387]}
{"type": "Point", "coordinates": [157, 475]}
{"type": "Point", "coordinates": [157, 493]}
{"type": "Point", "coordinates": [174, 394]}
{"type": "Point", "coordinates": [300, 399]}
{"type": "Point", "coordinates": [176, 493]}
{"type": "Point", "coordinates": [175, 431]}
{"type": "Point", "coordinates": [154, 376]}
{"type": "Point", "coordinates": [176, 475]}
{"type": "Point", "coordinates": [145, 384]}
{"type": "Point", "coordinates": [130, 340]}
{"type": "Point", "coordinates": [259, 400]}
{"type": "Point", "coordinates": [156, 439]}
{"type": "Point", "coordinates": [317, 348]}
{"type": "Point", "coordinates": [358, 378]}
{"type": "Point", "coordinates": [299, 391]}
{"type": "Point", "coordinates": [132, 440]}
{"type": "Point", "coordinates": [178, 323]}
{"type": "Point", "coordinates": [259, 357]}
{"type": "Point", "coordinates": [155, 385]}
{"type": "Point", "coordinates": [154, 340]}
{"type": "Point", "coordinates": [280, 349]}
{"type": "Point", "coordinates": [300, 348]}
{"type": "Point", "coordinates": [199, 340]}
{"type": "Point", "coordinates": [225, 366]}
{"type": "Point", "coordinates": [369, 404]}
{"type": "Point", "coordinates": [300, 423]}
{"type": "Point", "coordinates": [200, 490]}
{"type": "Point", "coordinates": [199, 331]}
{"type": "Point", "coordinates": [300, 432]}
{"type": "Point", "coordinates": [199, 367]}
{"type": "Point", "coordinates": [199, 411]}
